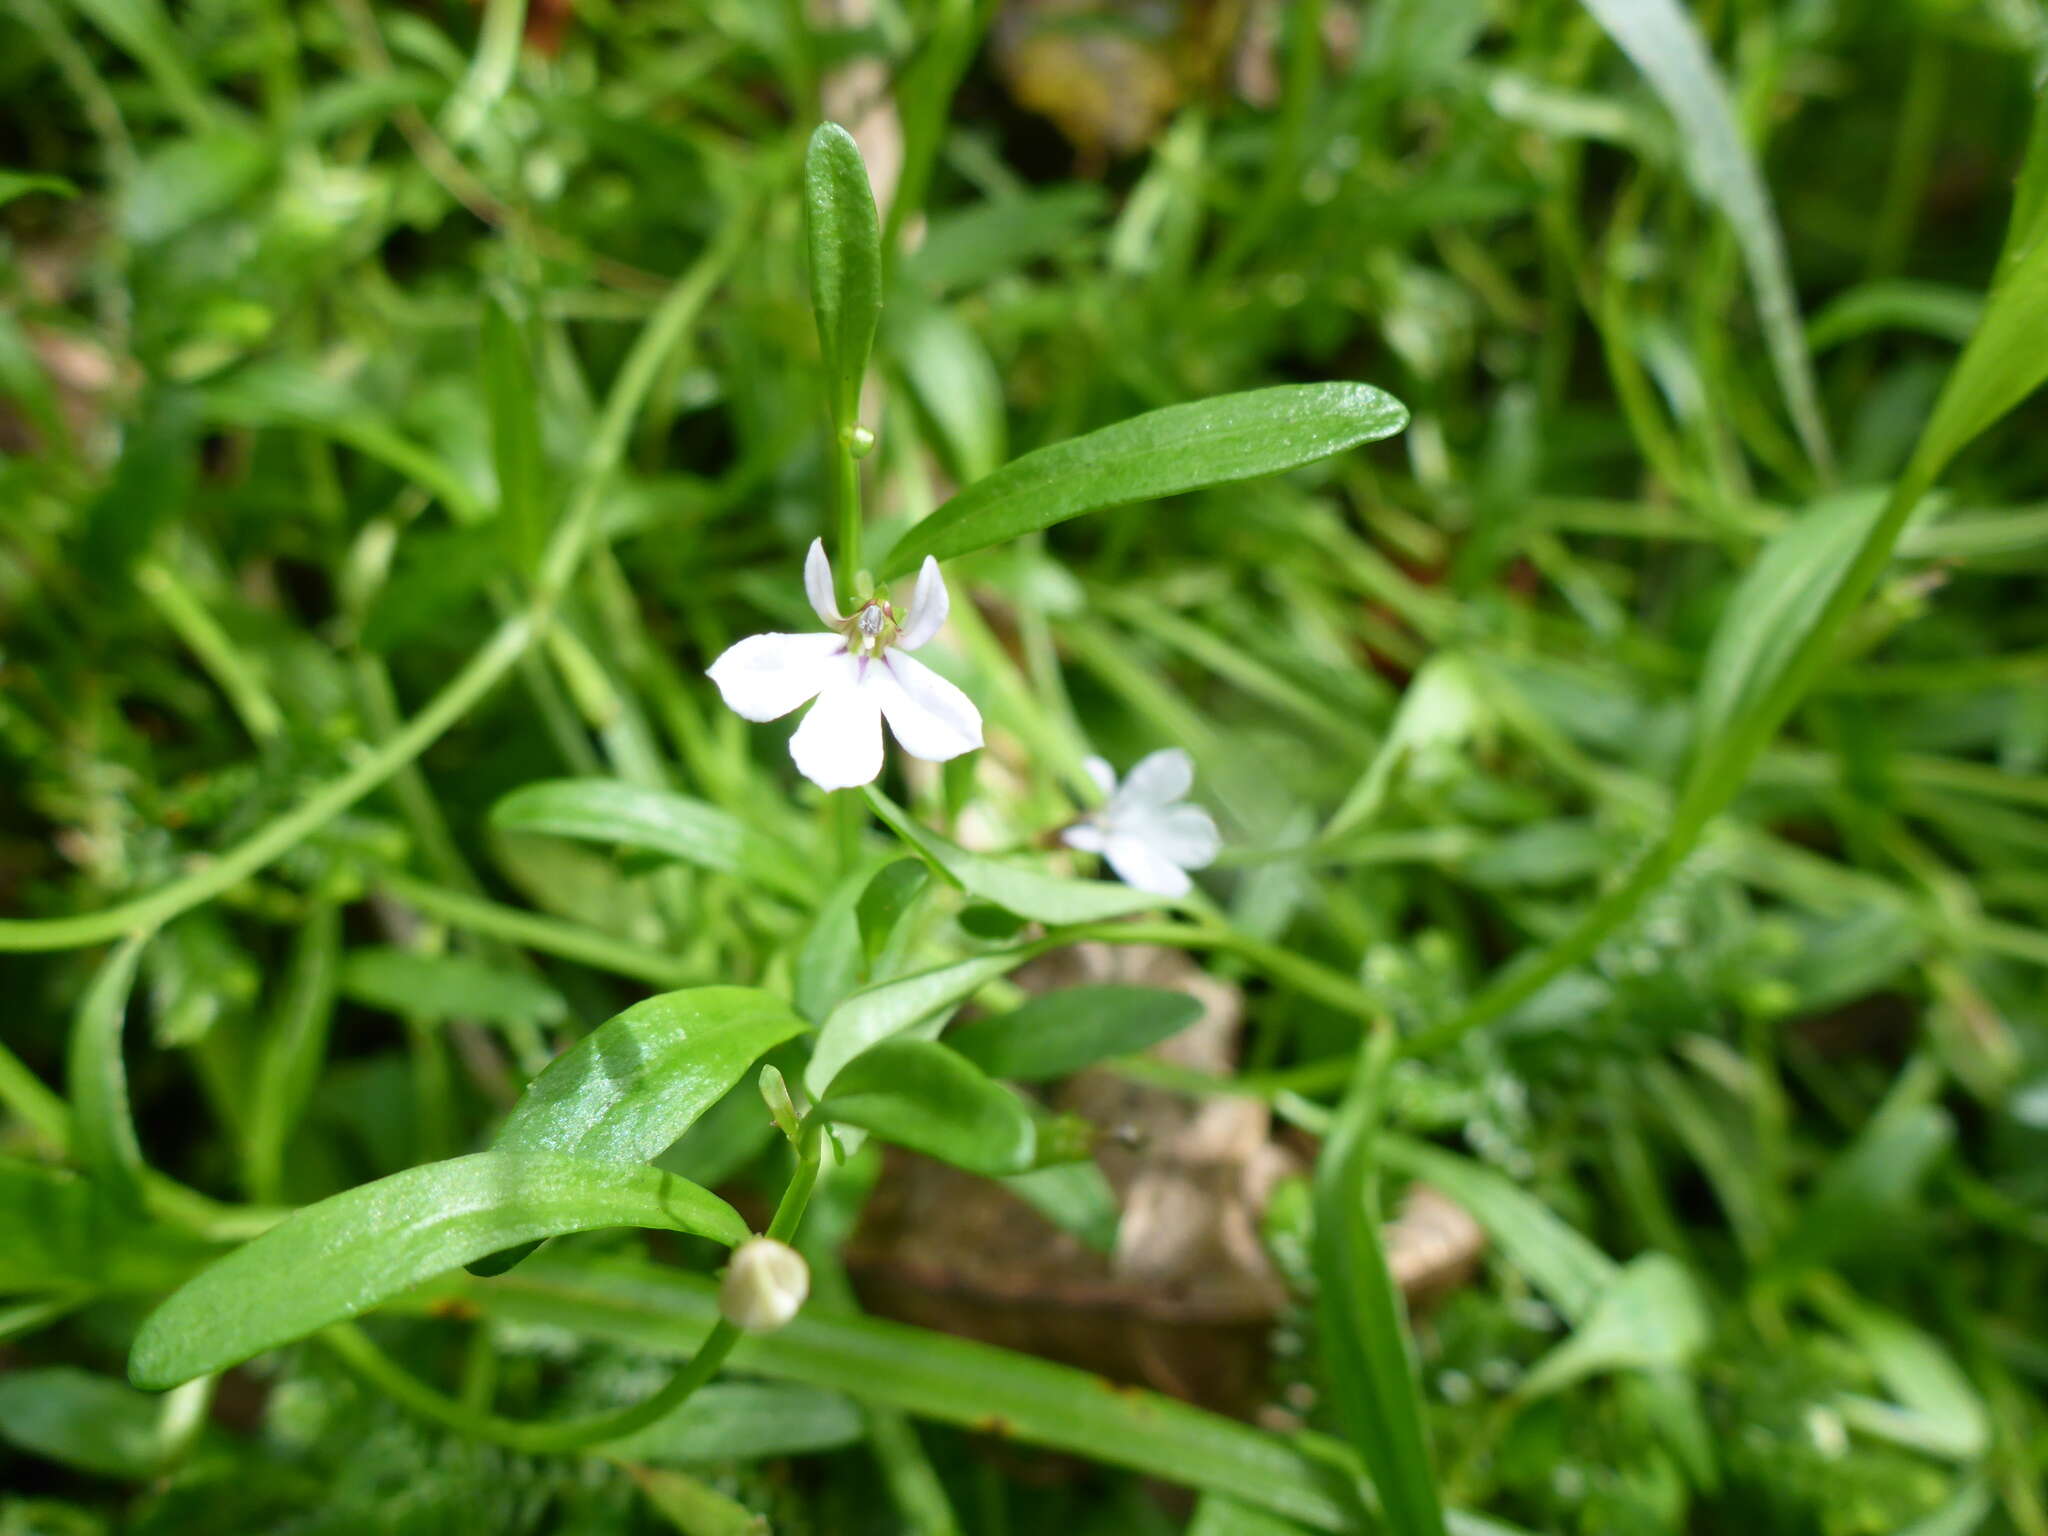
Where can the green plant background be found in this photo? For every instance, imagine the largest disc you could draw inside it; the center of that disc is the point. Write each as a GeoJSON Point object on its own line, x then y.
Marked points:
{"type": "Point", "coordinates": [1634, 775]}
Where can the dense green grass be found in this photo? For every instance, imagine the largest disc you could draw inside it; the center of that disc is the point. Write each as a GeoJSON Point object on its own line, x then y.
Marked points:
{"type": "Point", "coordinates": [1633, 774]}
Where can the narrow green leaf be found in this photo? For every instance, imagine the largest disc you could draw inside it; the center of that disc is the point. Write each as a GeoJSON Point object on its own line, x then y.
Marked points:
{"type": "Point", "coordinates": [955, 1381]}
{"type": "Point", "coordinates": [1571, 1272]}
{"type": "Point", "coordinates": [350, 1252]}
{"type": "Point", "coordinates": [1162, 453]}
{"type": "Point", "coordinates": [632, 816]}
{"type": "Point", "coordinates": [1941, 310]}
{"type": "Point", "coordinates": [846, 263]}
{"type": "Point", "coordinates": [294, 1049]}
{"type": "Point", "coordinates": [1219, 1516]}
{"type": "Point", "coordinates": [890, 1008]}
{"type": "Point", "coordinates": [1015, 887]}
{"type": "Point", "coordinates": [920, 1095]}
{"type": "Point", "coordinates": [511, 399]}
{"type": "Point", "coordinates": [1864, 1199]}
{"type": "Point", "coordinates": [15, 184]}
{"type": "Point", "coordinates": [1919, 1372]}
{"type": "Point", "coordinates": [744, 1421]}
{"type": "Point", "coordinates": [1775, 609]}
{"type": "Point", "coordinates": [1651, 1318]}
{"type": "Point", "coordinates": [103, 1135]}
{"type": "Point", "coordinates": [437, 987]}
{"type": "Point", "coordinates": [93, 1423]}
{"type": "Point", "coordinates": [1064, 1031]}
{"type": "Point", "coordinates": [1665, 44]}
{"type": "Point", "coordinates": [1367, 1360]}
{"type": "Point", "coordinates": [627, 1090]}
{"type": "Point", "coordinates": [882, 905]}
{"type": "Point", "coordinates": [695, 1508]}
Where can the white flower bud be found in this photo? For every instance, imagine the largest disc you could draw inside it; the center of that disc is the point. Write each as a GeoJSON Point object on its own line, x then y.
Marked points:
{"type": "Point", "coordinates": [764, 1286]}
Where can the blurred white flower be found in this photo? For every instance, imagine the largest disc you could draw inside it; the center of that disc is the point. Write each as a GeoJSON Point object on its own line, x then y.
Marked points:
{"type": "Point", "coordinates": [1151, 836]}
{"type": "Point", "coordinates": [857, 672]}
{"type": "Point", "coordinates": [764, 1286]}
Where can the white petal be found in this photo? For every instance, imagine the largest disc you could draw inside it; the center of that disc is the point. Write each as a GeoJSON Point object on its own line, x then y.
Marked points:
{"type": "Point", "coordinates": [1086, 836]}
{"type": "Point", "coordinates": [818, 584]}
{"type": "Point", "coordinates": [765, 677]}
{"type": "Point", "coordinates": [1186, 834]}
{"type": "Point", "coordinates": [1140, 867]}
{"type": "Point", "coordinates": [928, 604]}
{"type": "Point", "coordinates": [1159, 779]}
{"type": "Point", "coordinates": [1103, 775]}
{"type": "Point", "coordinates": [928, 715]}
{"type": "Point", "coordinates": [839, 744]}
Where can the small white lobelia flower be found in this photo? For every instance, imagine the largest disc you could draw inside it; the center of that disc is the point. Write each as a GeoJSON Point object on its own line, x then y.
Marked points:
{"type": "Point", "coordinates": [860, 676]}
{"type": "Point", "coordinates": [1150, 835]}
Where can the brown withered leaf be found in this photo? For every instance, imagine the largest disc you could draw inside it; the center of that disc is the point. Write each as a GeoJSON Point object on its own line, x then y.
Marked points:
{"type": "Point", "coordinates": [1186, 1300]}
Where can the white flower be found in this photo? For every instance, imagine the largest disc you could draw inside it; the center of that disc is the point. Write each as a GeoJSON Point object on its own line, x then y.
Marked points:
{"type": "Point", "coordinates": [859, 675]}
{"type": "Point", "coordinates": [1150, 836]}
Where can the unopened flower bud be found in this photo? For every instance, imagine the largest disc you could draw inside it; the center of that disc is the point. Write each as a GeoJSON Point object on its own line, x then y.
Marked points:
{"type": "Point", "coordinates": [764, 1286]}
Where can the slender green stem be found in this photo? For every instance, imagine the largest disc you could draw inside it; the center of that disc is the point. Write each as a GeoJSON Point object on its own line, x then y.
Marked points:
{"type": "Point", "coordinates": [381, 1371]}
{"type": "Point", "coordinates": [1304, 975]}
{"type": "Point", "coordinates": [846, 498]}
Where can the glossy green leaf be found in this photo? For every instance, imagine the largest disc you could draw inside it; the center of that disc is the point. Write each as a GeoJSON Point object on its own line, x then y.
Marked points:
{"type": "Point", "coordinates": [1162, 453]}
{"type": "Point", "coordinates": [632, 816]}
{"type": "Point", "coordinates": [890, 1008]}
{"type": "Point", "coordinates": [93, 1423]}
{"type": "Point", "coordinates": [103, 1135]}
{"type": "Point", "coordinates": [1371, 1373]}
{"type": "Point", "coordinates": [348, 1253]}
{"type": "Point", "coordinates": [1216, 1515]}
{"type": "Point", "coordinates": [920, 1095]}
{"type": "Point", "coordinates": [846, 262]}
{"type": "Point", "coordinates": [1665, 44]}
{"type": "Point", "coordinates": [1015, 887]}
{"type": "Point", "coordinates": [510, 398]}
{"type": "Point", "coordinates": [1651, 1318]}
{"type": "Point", "coordinates": [437, 987]}
{"type": "Point", "coordinates": [1064, 1031]}
{"type": "Point", "coordinates": [744, 1420]}
{"type": "Point", "coordinates": [632, 1086]}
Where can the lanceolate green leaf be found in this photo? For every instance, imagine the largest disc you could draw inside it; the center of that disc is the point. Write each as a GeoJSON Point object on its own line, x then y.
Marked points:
{"type": "Point", "coordinates": [1359, 1311]}
{"type": "Point", "coordinates": [890, 1008]}
{"type": "Point", "coordinates": [1650, 1318]}
{"type": "Point", "coordinates": [744, 1420]}
{"type": "Point", "coordinates": [629, 1088]}
{"type": "Point", "coordinates": [438, 987]}
{"type": "Point", "coordinates": [64, 1233]}
{"type": "Point", "coordinates": [846, 262]}
{"type": "Point", "coordinates": [1162, 453]}
{"type": "Point", "coordinates": [509, 394]}
{"type": "Point", "coordinates": [932, 1100]}
{"type": "Point", "coordinates": [1665, 44]}
{"type": "Point", "coordinates": [92, 1422]}
{"type": "Point", "coordinates": [294, 1049]}
{"type": "Point", "coordinates": [356, 1249]}
{"type": "Point", "coordinates": [632, 816]}
{"type": "Point", "coordinates": [104, 1131]}
{"type": "Point", "coordinates": [1018, 888]}
{"type": "Point", "coordinates": [1063, 1031]}
{"type": "Point", "coordinates": [1776, 604]}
